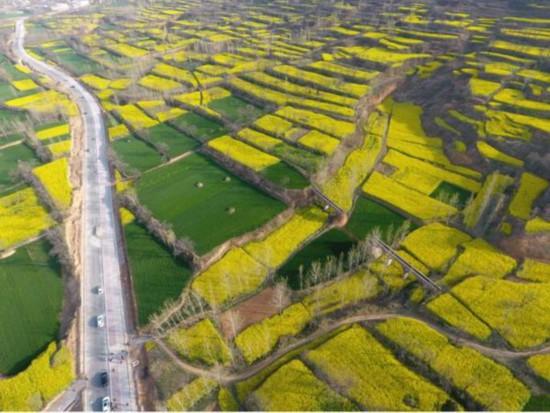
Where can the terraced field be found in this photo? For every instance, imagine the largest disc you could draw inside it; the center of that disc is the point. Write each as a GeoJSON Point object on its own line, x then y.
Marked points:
{"type": "Point", "coordinates": [325, 205]}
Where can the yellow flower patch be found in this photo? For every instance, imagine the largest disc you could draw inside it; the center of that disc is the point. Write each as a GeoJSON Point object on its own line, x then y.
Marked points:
{"type": "Point", "coordinates": [55, 178]}
{"type": "Point", "coordinates": [242, 153]}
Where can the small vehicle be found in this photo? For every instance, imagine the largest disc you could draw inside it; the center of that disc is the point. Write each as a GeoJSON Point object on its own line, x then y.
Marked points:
{"type": "Point", "coordinates": [100, 320]}
{"type": "Point", "coordinates": [99, 290]}
{"type": "Point", "coordinates": [106, 404]}
{"type": "Point", "coordinates": [104, 378]}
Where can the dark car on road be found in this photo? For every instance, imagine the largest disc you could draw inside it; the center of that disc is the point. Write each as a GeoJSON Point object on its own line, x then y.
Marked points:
{"type": "Point", "coordinates": [104, 378]}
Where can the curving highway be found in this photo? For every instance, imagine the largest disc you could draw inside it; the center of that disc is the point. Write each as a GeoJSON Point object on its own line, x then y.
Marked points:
{"type": "Point", "coordinates": [103, 349]}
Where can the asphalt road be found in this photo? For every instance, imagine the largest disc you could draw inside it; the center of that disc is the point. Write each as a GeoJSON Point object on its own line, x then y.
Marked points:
{"type": "Point", "coordinates": [101, 348]}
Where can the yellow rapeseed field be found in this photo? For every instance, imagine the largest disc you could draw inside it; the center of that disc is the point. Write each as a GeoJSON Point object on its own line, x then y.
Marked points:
{"type": "Point", "coordinates": [279, 392]}
{"type": "Point", "coordinates": [49, 374]}
{"type": "Point", "coordinates": [479, 258]}
{"type": "Point", "coordinates": [24, 85]}
{"type": "Point", "coordinates": [53, 132]}
{"type": "Point", "coordinates": [135, 116]}
{"type": "Point", "coordinates": [339, 294]}
{"type": "Point", "coordinates": [493, 153]}
{"type": "Point", "coordinates": [530, 188]}
{"type": "Point", "coordinates": [435, 244]}
{"type": "Point", "coordinates": [235, 274]}
{"type": "Point", "coordinates": [258, 340]}
{"type": "Point", "coordinates": [337, 128]}
{"type": "Point", "coordinates": [520, 312]}
{"type": "Point", "coordinates": [161, 84]}
{"type": "Point", "coordinates": [406, 199]}
{"type": "Point", "coordinates": [541, 365]}
{"type": "Point", "coordinates": [490, 384]}
{"type": "Point", "coordinates": [277, 246]}
{"type": "Point", "coordinates": [533, 270]}
{"type": "Point", "coordinates": [367, 372]}
{"type": "Point", "coordinates": [60, 148]}
{"type": "Point", "coordinates": [55, 178]}
{"type": "Point", "coordinates": [191, 394]}
{"type": "Point", "coordinates": [457, 315]}
{"type": "Point", "coordinates": [201, 342]}
{"type": "Point", "coordinates": [21, 217]}
{"type": "Point", "coordinates": [319, 142]}
{"type": "Point", "coordinates": [242, 153]}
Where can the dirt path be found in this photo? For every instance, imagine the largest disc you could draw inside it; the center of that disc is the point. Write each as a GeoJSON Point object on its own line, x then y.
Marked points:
{"type": "Point", "coordinates": [225, 377]}
{"type": "Point", "coordinates": [73, 222]}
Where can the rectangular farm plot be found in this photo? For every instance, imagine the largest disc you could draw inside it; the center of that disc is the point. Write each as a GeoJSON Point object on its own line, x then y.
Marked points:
{"type": "Point", "coordinates": [487, 382]}
{"type": "Point", "coordinates": [156, 275]}
{"type": "Point", "coordinates": [136, 153]}
{"type": "Point", "coordinates": [9, 158]}
{"type": "Point", "coordinates": [369, 374]}
{"type": "Point", "coordinates": [279, 392]}
{"type": "Point", "coordinates": [406, 199]}
{"type": "Point", "coordinates": [236, 110]}
{"type": "Point", "coordinates": [176, 142]}
{"type": "Point", "coordinates": [198, 127]}
{"type": "Point", "coordinates": [204, 202]}
{"type": "Point", "coordinates": [368, 214]}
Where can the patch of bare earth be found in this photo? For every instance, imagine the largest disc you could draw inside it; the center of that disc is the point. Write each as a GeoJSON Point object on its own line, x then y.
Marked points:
{"type": "Point", "coordinates": [73, 222]}
{"type": "Point", "coordinates": [527, 245]}
{"type": "Point", "coordinates": [264, 304]}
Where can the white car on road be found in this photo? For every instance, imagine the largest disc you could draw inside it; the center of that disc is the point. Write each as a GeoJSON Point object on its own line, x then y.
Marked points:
{"type": "Point", "coordinates": [100, 321]}
{"type": "Point", "coordinates": [106, 404]}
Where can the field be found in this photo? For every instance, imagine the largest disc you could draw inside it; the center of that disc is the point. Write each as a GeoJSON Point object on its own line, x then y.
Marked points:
{"type": "Point", "coordinates": [223, 201]}
{"type": "Point", "coordinates": [156, 275]}
{"type": "Point", "coordinates": [29, 321]}
{"type": "Point", "coordinates": [491, 300]}
{"type": "Point", "coordinates": [332, 243]}
{"type": "Point", "coordinates": [136, 154]}
{"type": "Point", "coordinates": [278, 392]}
{"type": "Point", "coordinates": [489, 383]}
{"type": "Point", "coordinates": [346, 363]}
{"type": "Point", "coordinates": [9, 157]}
{"type": "Point", "coordinates": [263, 147]}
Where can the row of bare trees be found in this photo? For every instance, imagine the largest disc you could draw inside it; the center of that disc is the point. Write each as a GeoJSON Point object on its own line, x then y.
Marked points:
{"type": "Point", "coordinates": [162, 231]}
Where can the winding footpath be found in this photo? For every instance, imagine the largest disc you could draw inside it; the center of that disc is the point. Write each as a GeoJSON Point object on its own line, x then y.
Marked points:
{"type": "Point", "coordinates": [102, 257]}
{"type": "Point", "coordinates": [225, 377]}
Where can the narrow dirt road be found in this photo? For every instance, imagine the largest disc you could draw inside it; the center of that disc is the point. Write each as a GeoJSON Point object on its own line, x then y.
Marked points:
{"type": "Point", "coordinates": [225, 377]}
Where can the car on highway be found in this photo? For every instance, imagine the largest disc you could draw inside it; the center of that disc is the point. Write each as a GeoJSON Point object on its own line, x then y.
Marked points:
{"type": "Point", "coordinates": [99, 290]}
{"type": "Point", "coordinates": [104, 378]}
{"type": "Point", "coordinates": [100, 321]}
{"type": "Point", "coordinates": [106, 404]}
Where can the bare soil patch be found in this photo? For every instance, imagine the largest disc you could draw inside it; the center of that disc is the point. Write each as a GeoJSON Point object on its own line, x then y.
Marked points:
{"type": "Point", "coordinates": [264, 304]}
